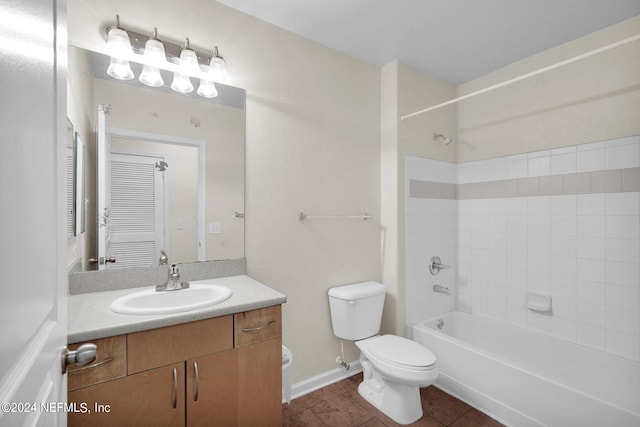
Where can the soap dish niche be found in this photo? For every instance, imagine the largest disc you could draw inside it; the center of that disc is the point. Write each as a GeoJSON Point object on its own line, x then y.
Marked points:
{"type": "Point", "coordinates": [539, 303]}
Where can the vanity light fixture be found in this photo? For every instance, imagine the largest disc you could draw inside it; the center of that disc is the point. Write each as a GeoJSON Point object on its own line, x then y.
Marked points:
{"type": "Point", "coordinates": [124, 46]}
{"type": "Point", "coordinates": [217, 67]}
{"type": "Point", "coordinates": [153, 57]}
{"type": "Point", "coordinates": [187, 67]}
{"type": "Point", "coordinates": [119, 48]}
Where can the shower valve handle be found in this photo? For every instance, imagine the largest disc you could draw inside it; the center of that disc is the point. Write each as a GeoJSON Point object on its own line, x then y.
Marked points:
{"type": "Point", "coordinates": [436, 265]}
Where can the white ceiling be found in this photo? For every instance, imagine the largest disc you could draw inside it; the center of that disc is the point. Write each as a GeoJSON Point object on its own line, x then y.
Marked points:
{"type": "Point", "coordinates": [457, 40]}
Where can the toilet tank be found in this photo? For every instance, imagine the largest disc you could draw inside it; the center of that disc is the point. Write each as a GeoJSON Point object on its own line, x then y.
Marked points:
{"type": "Point", "coordinates": [356, 310]}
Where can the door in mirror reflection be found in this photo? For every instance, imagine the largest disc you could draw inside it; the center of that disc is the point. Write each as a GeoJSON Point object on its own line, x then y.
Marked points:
{"type": "Point", "coordinates": [136, 213]}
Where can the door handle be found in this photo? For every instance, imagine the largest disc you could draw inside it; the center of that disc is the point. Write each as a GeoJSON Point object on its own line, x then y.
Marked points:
{"type": "Point", "coordinates": [102, 260]}
{"type": "Point", "coordinates": [84, 355]}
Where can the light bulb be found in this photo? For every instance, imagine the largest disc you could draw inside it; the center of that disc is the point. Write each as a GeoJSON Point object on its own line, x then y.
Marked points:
{"type": "Point", "coordinates": [120, 69]}
{"type": "Point", "coordinates": [151, 76]}
{"type": "Point", "coordinates": [218, 69]}
{"type": "Point", "coordinates": [118, 44]}
{"type": "Point", "coordinates": [189, 65]}
{"type": "Point", "coordinates": [181, 83]}
{"type": "Point", "coordinates": [207, 89]}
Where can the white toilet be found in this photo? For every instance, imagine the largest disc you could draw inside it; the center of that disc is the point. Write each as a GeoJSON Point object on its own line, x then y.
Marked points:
{"type": "Point", "coordinates": [394, 367]}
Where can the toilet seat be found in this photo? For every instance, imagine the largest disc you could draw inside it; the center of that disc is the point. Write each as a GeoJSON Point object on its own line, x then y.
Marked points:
{"type": "Point", "coordinates": [399, 352]}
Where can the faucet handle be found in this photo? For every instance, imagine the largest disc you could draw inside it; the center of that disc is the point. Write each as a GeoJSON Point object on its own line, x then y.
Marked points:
{"type": "Point", "coordinates": [436, 265]}
{"type": "Point", "coordinates": [173, 270]}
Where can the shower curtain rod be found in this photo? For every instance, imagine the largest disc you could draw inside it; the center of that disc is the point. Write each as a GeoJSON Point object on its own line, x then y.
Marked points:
{"type": "Point", "coordinates": [525, 76]}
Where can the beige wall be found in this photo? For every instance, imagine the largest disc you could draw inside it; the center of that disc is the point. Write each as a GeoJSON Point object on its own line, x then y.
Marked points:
{"type": "Point", "coordinates": [593, 99]}
{"type": "Point", "coordinates": [405, 89]}
{"type": "Point", "coordinates": [312, 145]}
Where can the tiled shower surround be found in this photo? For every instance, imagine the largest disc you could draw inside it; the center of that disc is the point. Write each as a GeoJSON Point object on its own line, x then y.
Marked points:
{"type": "Point", "coordinates": [562, 222]}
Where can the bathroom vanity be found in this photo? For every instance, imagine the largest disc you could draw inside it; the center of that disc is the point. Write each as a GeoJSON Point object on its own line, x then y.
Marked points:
{"type": "Point", "coordinates": [215, 366]}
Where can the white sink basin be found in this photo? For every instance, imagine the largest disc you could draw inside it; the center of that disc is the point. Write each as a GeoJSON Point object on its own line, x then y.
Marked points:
{"type": "Point", "coordinates": [149, 301]}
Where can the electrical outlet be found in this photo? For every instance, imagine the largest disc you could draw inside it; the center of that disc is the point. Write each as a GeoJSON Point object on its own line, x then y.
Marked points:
{"type": "Point", "coordinates": [215, 228]}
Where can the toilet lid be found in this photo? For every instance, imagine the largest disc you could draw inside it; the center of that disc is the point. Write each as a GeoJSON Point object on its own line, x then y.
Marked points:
{"type": "Point", "coordinates": [401, 351]}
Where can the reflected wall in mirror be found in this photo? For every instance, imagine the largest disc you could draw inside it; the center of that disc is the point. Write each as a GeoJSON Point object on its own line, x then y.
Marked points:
{"type": "Point", "coordinates": [139, 114]}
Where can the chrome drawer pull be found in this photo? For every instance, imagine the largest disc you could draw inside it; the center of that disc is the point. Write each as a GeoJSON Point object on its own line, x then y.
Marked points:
{"type": "Point", "coordinates": [93, 365]}
{"type": "Point", "coordinates": [259, 328]}
{"type": "Point", "coordinates": [175, 388]}
{"type": "Point", "coordinates": [195, 368]}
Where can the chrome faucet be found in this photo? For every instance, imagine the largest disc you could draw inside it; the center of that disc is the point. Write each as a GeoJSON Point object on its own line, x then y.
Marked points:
{"type": "Point", "coordinates": [441, 289]}
{"type": "Point", "coordinates": [173, 281]}
{"type": "Point", "coordinates": [164, 259]}
{"type": "Point", "coordinates": [436, 265]}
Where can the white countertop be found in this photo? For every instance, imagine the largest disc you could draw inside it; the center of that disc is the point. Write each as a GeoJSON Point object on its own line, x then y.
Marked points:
{"type": "Point", "coordinates": [91, 318]}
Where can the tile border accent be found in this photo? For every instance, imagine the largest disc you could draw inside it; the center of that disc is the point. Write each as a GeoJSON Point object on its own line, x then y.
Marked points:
{"type": "Point", "coordinates": [606, 181]}
{"type": "Point", "coordinates": [432, 190]}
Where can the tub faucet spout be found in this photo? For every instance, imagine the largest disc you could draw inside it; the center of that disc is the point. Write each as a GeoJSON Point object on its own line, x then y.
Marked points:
{"type": "Point", "coordinates": [441, 289]}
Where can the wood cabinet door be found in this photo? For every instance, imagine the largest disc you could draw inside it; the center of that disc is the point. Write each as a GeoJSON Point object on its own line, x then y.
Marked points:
{"type": "Point", "coordinates": [150, 398]}
{"type": "Point", "coordinates": [212, 390]}
{"type": "Point", "coordinates": [260, 384]}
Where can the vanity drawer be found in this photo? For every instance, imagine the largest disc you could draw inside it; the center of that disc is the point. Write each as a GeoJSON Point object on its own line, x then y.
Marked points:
{"type": "Point", "coordinates": [110, 363]}
{"type": "Point", "coordinates": [159, 347]}
{"type": "Point", "coordinates": [257, 325]}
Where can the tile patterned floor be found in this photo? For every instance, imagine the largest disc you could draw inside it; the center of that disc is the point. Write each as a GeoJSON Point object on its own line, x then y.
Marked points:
{"type": "Point", "coordinates": [340, 405]}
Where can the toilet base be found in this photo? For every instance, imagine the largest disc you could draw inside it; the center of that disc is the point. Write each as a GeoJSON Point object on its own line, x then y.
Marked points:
{"type": "Point", "coordinates": [399, 402]}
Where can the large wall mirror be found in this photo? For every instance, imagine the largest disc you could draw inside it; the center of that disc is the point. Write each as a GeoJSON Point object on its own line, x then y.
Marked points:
{"type": "Point", "coordinates": [168, 186]}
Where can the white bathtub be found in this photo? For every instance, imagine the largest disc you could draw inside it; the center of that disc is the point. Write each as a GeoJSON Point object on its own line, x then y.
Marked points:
{"type": "Point", "coordinates": [523, 378]}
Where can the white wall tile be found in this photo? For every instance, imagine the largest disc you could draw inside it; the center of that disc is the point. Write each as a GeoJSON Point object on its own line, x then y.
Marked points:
{"type": "Point", "coordinates": [564, 308]}
{"type": "Point", "coordinates": [623, 250]}
{"type": "Point", "coordinates": [623, 156]}
{"type": "Point", "coordinates": [562, 267]}
{"type": "Point", "coordinates": [592, 336]}
{"type": "Point", "coordinates": [539, 166]}
{"type": "Point", "coordinates": [563, 225]}
{"type": "Point", "coordinates": [563, 287]}
{"type": "Point", "coordinates": [497, 206]}
{"type": "Point", "coordinates": [563, 205]}
{"type": "Point", "coordinates": [517, 168]}
{"type": "Point", "coordinates": [591, 314]}
{"type": "Point", "coordinates": [517, 224]}
{"type": "Point", "coordinates": [623, 203]}
{"type": "Point", "coordinates": [594, 292]}
{"type": "Point", "coordinates": [497, 223]}
{"type": "Point", "coordinates": [620, 273]}
{"type": "Point", "coordinates": [623, 227]}
{"type": "Point", "coordinates": [517, 206]}
{"type": "Point", "coordinates": [622, 297]}
{"type": "Point", "coordinates": [539, 205]}
{"type": "Point", "coordinates": [625, 321]}
{"type": "Point", "coordinates": [563, 329]}
{"type": "Point", "coordinates": [591, 248]}
{"type": "Point", "coordinates": [590, 204]}
{"type": "Point", "coordinates": [563, 246]}
{"type": "Point", "coordinates": [592, 160]}
{"type": "Point", "coordinates": [587, 269]}
{"type": "Point", "coordinates": [563, 163]}
{"type": "Point", "coordinates": [623, 345]}
{"type": "Point", "coordinates": [592, 146]}
{"type": "Point", "coordinates": [591, 226]}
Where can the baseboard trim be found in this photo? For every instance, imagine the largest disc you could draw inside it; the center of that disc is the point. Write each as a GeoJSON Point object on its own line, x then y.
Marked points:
{"type": "Point", "coordinates": [322, 380]}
